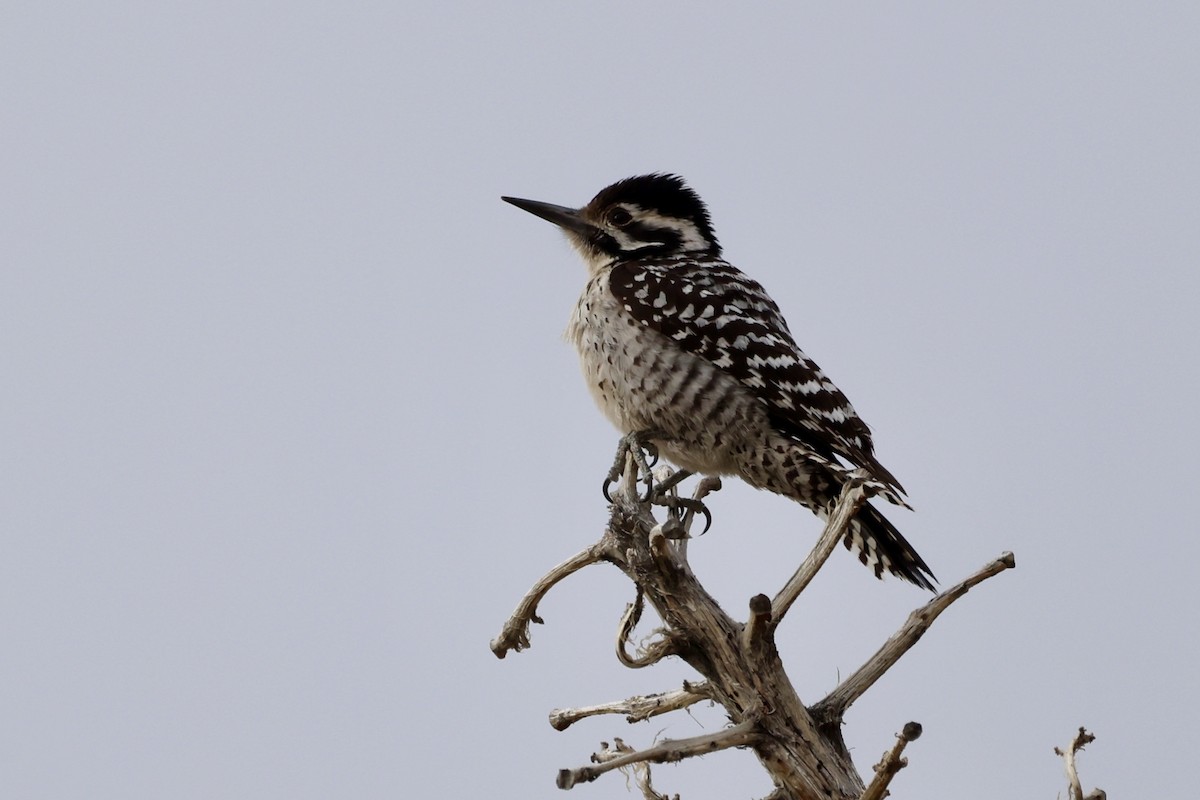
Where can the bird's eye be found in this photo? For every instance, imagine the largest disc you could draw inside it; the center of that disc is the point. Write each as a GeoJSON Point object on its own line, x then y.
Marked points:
{"type": "Point", "coordinates": [619, 217]}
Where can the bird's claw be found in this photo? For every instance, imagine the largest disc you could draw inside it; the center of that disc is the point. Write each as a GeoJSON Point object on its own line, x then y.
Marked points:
{"type": "Point", "coordinates": [688, 505]}
{"type": "Point", "coordinates": [650, 453]}
{"type": "Point", "coordinates": [611, 478]}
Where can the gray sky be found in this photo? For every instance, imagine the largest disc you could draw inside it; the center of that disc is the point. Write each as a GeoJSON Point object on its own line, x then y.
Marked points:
{"type": "Point", "coordinates": [288, 425]}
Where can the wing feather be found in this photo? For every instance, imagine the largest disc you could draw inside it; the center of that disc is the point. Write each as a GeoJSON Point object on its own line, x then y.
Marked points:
{"type": "Point", "coordinates": [710, 308]}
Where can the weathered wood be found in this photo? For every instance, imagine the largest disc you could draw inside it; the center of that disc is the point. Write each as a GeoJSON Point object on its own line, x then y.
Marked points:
{"type": "Point", "coordinates": [854, 494]}
{"type": "Point", "coordinates": [515, 633]}
{"type": "Point", "coordinates": [664, 752]}
{"type": "Point", "coordinates": [636, 709]}
{"type": "Point", "coordinates": [745, 677]}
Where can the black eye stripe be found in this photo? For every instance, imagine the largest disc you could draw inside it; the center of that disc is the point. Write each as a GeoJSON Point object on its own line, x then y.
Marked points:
{"type": "Point", "coordinates": [651, 233]}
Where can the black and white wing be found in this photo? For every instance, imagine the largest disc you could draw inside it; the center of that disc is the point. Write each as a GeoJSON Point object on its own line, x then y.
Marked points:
{"type": "Point", "coordinates": [711, 309]}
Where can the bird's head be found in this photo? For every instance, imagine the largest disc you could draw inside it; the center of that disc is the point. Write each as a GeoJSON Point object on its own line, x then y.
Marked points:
{"type": "Point", "coordinates": [645, 216]}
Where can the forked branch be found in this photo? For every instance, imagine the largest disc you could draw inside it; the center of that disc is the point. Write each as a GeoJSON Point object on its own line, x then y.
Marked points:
{"type": "Point", "coordinates": [801, 747]}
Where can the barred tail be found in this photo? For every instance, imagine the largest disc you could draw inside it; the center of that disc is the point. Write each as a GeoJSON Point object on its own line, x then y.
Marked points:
{"type": "Point", "coordinates": [881, 547]}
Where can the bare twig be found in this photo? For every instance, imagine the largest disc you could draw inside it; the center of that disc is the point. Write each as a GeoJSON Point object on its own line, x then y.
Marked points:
{"type": "Point", "coordinates": [1068, 756]}
{"type": "Point", "coordinates": [515, 633]}
{"type": "Point", "coordinates": [919, 621]}
{"type": "Point", "coordinates": [666, 751]}
{"type": "Point", "coordinates": [636, 709]}
{"type": "Point", "coordinates": [651, 653]}
{"type": "Point", "coordinates": [891, 763]}
{"type": "Point", "coordinates": [854, 494]}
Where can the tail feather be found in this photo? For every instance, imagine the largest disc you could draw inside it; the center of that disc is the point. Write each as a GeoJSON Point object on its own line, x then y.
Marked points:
{"type": "Point", "coordinates": [784, 466]}
{"type": "Point", "coordinates": [881, 547]}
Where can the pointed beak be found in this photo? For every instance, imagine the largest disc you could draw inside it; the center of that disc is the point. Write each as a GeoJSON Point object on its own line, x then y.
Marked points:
{"type": "Point", "coordinates": [565, 218]}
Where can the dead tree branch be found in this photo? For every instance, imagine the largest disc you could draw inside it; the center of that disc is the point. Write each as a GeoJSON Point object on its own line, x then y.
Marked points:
{"type": "Point", "coordinates": [801, 748]}
{"type": "Point", "coordinates": [665, 752]}
{"type": "Point", "coordinates": [641, 770]}
{"type": "Point", "coordinates": [1068, 756]}
{"type": "Point", "coordinates": [515, 633]}
{"type": "Point", "coordinates": [854, 494]}
{"type": "Point", "coordinates": [919, 621]}
{"type": "Point", "coordinates": [635, 709]}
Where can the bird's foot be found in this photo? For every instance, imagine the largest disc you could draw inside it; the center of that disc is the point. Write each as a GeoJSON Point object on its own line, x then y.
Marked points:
{"type": "Point", "coordinates": [666, 494]}
{"type": "Point", "coordinates": [680, 511]}
{"type": "Point", "coordinates": [639, 446]}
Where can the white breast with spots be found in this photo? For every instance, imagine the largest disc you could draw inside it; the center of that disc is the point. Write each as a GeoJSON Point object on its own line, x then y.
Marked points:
{"type": "Point", "coordinates": [641, 380]}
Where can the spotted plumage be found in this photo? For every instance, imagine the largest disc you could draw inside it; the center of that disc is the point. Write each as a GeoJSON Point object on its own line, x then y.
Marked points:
{"type": "Point", "coordinates": [673, 338]}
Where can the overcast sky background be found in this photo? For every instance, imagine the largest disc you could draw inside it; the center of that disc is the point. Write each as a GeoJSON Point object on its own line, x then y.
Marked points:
{"type": "Point", "coordinates": [288, 426]}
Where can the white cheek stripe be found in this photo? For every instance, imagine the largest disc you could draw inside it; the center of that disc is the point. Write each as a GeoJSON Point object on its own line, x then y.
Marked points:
{"type": "Point", "coordinates": [689, 236]}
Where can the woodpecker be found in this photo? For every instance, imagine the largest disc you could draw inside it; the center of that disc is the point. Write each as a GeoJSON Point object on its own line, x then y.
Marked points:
{"type": "Point", "coordinates": [676, 341]}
